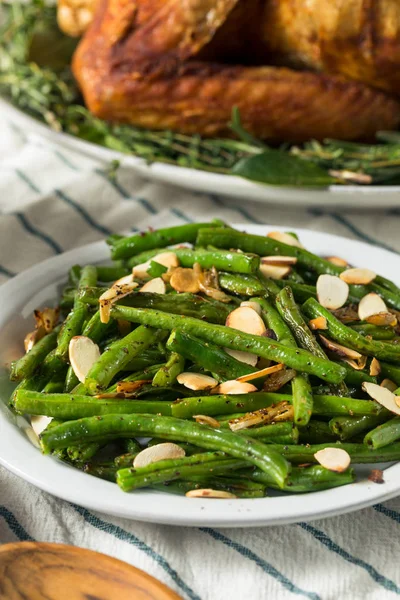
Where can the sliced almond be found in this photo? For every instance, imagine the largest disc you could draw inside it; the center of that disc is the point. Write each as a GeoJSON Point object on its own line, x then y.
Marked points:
{"type": "Point", "coordinates": [347, 314]}
{"type": "Point", "coordinates": [128, 387]}
{"type": "Point", "coordinates": [336, 260]}
{"type": "Point", "coordinates": [359, 364]}
{"type": "Point", "coordinates": [318, 323]}
{"type": "Point", "coordinates": [244, 357]}
{"type": "Point", "coordinates": [236, 387]}
{"type": "Point", "coordinates": [206, 420]}
{"type": "Point", "coordinates": [383, 319]}
{"type": "Point", "coordinates": [126, 280]}
{"type": "Point", "coordinates": [342, 351]}
{"type": "Point", "coordinates": [285, 238]}
{"type": "Point", "coordinates": [389, 385]}
{"type": "Point", "coordinates": [185, 280]}
{"type": "Point", "coordinates": [112, 295]}
{"type": "Point", "coordinates": [83, 353]}
{"type": "Point", "coordinates": [357, 276]}
{"type": "Point", "coordinates": [371, 304]}
{"type": "Point", "coordinates": [209, 493]}
{"type": "Point", "coordinates": [196, 381]}
{"type": "Point", "coordinates": [375, 367]}
{"type": "Point", "coordinates": [332, 292]}
{"type": "Point", "coordinates": [274, 271]}
{"type": "Point", "coordinates": [155, 286]}
{"type": "Point", "coordinates": [140, 271]}
{"type": "Point", "coordinates": [164, 451]}
{"type": "Point", "coordinates": [32, 437]}
{"type": "Point", "coordinates": [246, 319]}
{"type": "Point", "coordinates": [333, 459]}
{"type": "Point", "coordinates": [279, 261]}
{"type": "Point", "coordinates": [251, 304]}
{"type": "Point", "coordinates": [261, 373]}
{"type": "Point", "coordinates": [46, 318]}
{"type": "Point", "coordinates": [33, 337]}
{"type": "Point", "coordinates": [283, 411]}
{"type": "Point", "coordinates": [382, 395]}
{"type": "Point", "coordinates": [167, 259]}
{"type": "Point", "coordinates": [39, 423]}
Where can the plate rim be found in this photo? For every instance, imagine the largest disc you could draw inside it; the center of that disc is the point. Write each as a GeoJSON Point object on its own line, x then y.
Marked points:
{"type": "Point", "coordinates": [27, 462]}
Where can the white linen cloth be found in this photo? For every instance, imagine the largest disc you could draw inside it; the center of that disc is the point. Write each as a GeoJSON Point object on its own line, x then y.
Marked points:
{"type": "Point", "coordinates": [52, 200]}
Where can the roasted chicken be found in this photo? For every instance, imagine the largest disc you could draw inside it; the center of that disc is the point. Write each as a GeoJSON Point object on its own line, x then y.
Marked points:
{"type": "Point", "coordinates": [184, 64]}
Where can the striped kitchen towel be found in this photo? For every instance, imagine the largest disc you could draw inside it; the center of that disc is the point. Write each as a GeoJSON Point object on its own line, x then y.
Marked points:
{"type": "Point", "coordinates": [52, 200]}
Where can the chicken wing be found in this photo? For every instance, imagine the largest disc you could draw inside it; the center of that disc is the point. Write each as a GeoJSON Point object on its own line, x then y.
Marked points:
{"type": "Point", "coordinates": [164, 64]}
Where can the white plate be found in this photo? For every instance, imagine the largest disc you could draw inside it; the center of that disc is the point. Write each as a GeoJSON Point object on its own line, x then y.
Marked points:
{"type": "Point", "coordinates": [347, 196]}
{"type": "Point", "coordinates": [41, 284]}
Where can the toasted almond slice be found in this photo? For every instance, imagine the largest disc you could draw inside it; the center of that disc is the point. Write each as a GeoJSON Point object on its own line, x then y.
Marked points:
{"type": "Point", "coordinates": [246, 319]}
{"type": "Point", "coordinates": [140, 271]}
{"type": "Point", "coordinates": [336, 260]}
{"type": "Point", "coordinates": [46, 318]}
{"type": "Point", "coordinates": [39, 423]}
{"type": "Point", "coordinates": [206, 420]}
{"type": "Point", "coordinates": [236, 387]}
{"type": "Point", "coordinates": [358, 364]}
{"type": "Point", "coordinates": [357, 276]}
{"type": "Point", "coordinates": [126, 280]}
{"type": "Point", "coordinates": [375, 367]}
{"type": "Point", "coordinates": [371, 304]}
{"type": "Point", "coordinates": [155, 286]}
{"type": "Point", "coordinates": [285, 238]}
{"type": "Point", "coordinates": [383, 396]}
{"type": "Point", "coordinates": [32, 437]}
{"type": "Point", "coordinates": [167, 259]}
{"type": "Point", "coordinates": [339, 349]}
{"type": "Point", "coordinates": [196, 381]}
{"type": "Point", "coordinates": [332, 292]}
{"type": "Point", "coordinates": [283, 411]}
{"type": "Point", "coordinates": [209, 493]}
{"type": "Point", "coordinates": [318, 323]}
{"type": "Point", "coordinates": [383, 319]}
{"type": "Point", "coordinates": [280, 261]}
{"type": "Point", "coordinates": [127, 387]}
{"type": "Point", "coordinates": [83, 353]}
{"type": "Point", "coordinates": [261, 373]}
{"type": "Point", "coordinates": [389, 385]}
{"type": "Point", "coordinates": [251, 304]}
{"type": "Point", "coordinates": [333, 459]}
{"type": "Point", "coordinates": [164, 451]}
{"type": "Point", "coordinates": [245, 357]}
{"type": "Point", "coordinates": [185, 280]}
{"type": "Point", "coordinates": [33, 337]}
{"type": "Point", "coordinates": [274, 271]}
{"type": "Point", "coordinates": [114, 293]}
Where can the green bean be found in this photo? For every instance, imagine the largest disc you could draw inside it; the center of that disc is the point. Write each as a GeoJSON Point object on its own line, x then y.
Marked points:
{"type": "Point", "coordinates": [123, 461]}
{"type": "Point", "coordinates": [384, 434]}
{"type": "Point", "coordinates": [111, 273]}
{"type": "Point", "coordinates": [377, 333]}
{"type": "Point", "coordinates": [67, 299]}
{"type": "Point", "coordinates": [54, 387]}
{"type": "Point", "coordinates": [71, 380]}
{"type": "Point", "coordinates": [131, 446]}
{"type": "Point", "coordinates": [236, 340]}
{"type": "Point", "coordinates": [308, 479]}
{"type": "Point", "coordinates": [241, 285]}
{"type": "Point", "coordinates": [113, 360]}
{"type": "Point", "coordinates": [239, 487]}
{"type": "Point", "coordinates": [223, 260]}
{"type": "Point", "coordinates": [390, 372]}
{"type": "Point", "coordinates": [129, 246]}
{"type": "Point", "coordinates": [167, 374]}
{"type": "Point", "coordinates": [277, 433]}
{"type": "Point", "coordinates": [360, 453]}
{"type": "Point", "coordinates": [109, 473]}
{"type": "Point", "coordinates": [74, 275]}
{"type": "Point", "coordinates": [355, 377]}
{"type": "Point", "coordinates": [301, 291]}
{"type": "Point", "coordinates": [295, 277]}
{"type": "Point", "coordinates": [301, 388]}
{"type": "Point", "coordinates": [156, 269]}
{"type": "Point", "coordinates": [316, 432]}
{"type": "Point", "coordinates": [83, 452]}
{"type": "Point", "coordinates": [25, 366]}
{"type": "Point", "coordinates": [326, 406]}
{"type": "Point", "coordinates": [119, 426]}
{"type": "Point", "coordinates": [95, 329]}
{"type": "Point", "coordinates": [147, 358]}
{"type": "Point", "coordinates": [350, 338]}
{"type": "Point", "coordinates": [142, 374]}
{"type": "Point", "coordinates": [349, 427]}
{"type": "Point", "coordinates": [73, 406]}
{"type": "Point", "coordinates": [207, 355]}
{"type": "Point", "coordinates": [144, 257]}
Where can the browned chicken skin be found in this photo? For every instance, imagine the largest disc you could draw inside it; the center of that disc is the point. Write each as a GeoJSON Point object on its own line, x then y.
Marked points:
{"type": "Point", "coordinates": [163, 64]}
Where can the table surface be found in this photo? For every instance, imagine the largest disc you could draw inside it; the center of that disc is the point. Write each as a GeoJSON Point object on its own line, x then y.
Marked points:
{"type": "Point", "coordinates": [52, 201]}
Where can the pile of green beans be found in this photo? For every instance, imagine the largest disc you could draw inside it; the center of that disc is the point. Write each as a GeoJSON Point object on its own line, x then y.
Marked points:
{"type": "Point", "coordinates": [132, 392]}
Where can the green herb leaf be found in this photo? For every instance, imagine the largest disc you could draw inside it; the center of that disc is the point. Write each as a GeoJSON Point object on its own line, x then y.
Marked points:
{"type": "Point", "coordinates": [279, 168]}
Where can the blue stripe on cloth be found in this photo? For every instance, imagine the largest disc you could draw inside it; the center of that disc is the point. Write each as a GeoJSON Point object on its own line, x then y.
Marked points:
{"type": "Point", "coordinates": [126, 536]}
{"type": "Point", "coordinates": [6, 272]}
{"type": "Point", "coordinates": [322, 537]}
{"type": "Point", "coordinates": [260, 562]}
{"type": "Point", "coordinates": [64, 159]}
{"type": "Point", "coordinates": [125, 194]}
{"type": "Point", "coordinates": [24, 177]}
{"type": "Point", "coordinates": [242, 211]}
{"type": "Point", "coordinates": [83, 213]}
{"type": "Point", "coordinates": [181, 215]}
{"type": "Point", "coordinates": [15, 526]}
{"type": "Point", "coordinates": [388, 512]}
{"type": "Point", "coordinates": [37, 233]}
{"type": "Point", "coordinates": [351, 227]}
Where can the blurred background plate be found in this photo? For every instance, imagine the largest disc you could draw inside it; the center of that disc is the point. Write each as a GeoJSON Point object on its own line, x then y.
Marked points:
{"type": "Point", "coordinates": [346, 196]}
